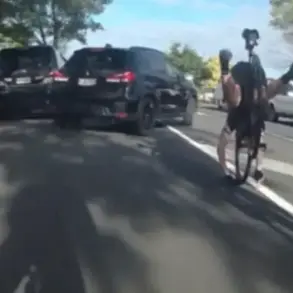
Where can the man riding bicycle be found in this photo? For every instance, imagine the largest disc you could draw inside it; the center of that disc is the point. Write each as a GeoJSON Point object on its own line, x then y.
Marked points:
{"type": "Point", "coordinates": [232, 83]}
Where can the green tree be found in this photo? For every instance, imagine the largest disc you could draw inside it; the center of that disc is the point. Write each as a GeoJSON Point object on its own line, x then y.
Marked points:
{"type": "Point", "coordinates": [212, 75]}
{"type": "Point", "coordinates": [187, 60]}
{"type": "Point", "coordinates": [282, 17]}
{"type": "Point", "coordinates": [11, 32]}
{"type": "Point", "coordinates": [54, 22]}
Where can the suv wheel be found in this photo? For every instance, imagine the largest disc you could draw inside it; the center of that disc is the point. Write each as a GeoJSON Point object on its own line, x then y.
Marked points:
{"type": "Point", "coordinates": [146, 117]}
{"type": "Point", "coordinates": [189, 111]}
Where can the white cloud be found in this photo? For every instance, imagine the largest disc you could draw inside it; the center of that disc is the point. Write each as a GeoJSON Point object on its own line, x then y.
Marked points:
{"type": "Point", "coordinates": [206, 38]}
{"type": "Point", "coordinates": [199, 4]}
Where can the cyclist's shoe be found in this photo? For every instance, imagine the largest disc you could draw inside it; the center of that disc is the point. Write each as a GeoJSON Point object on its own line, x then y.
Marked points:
{"type": "Point", "coordinates": [228, 176]}
{"type": "Point", "coordinates": [225, 57]}
{"type": "Point", "coordinates": [259, 176]}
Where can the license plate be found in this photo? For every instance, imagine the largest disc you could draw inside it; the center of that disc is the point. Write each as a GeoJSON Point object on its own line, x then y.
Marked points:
{"type": "Point", "coordinates": [23, 80]}
{"type": "Point", "coordinates": [87, 81]}
{"type": "Point", "coordinates": [100, 111]}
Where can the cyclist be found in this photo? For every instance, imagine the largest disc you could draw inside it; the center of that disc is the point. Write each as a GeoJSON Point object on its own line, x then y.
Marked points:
{"type": "Point", "coordinates": [241, 76]}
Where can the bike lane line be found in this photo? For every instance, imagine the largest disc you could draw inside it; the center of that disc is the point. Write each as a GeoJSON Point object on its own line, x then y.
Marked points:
{"type": "Point", "coordinates": [264, 190]}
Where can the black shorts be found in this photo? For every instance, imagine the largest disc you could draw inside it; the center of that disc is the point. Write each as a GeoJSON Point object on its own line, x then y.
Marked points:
{"type": "Point", "coordinates": [235, 117]}
{"type": "Point", "coordinates": [238, 117]}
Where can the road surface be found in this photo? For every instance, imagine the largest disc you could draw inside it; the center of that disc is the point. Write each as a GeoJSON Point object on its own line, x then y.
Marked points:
{"type": "Point", "coordinates": [109, 212]}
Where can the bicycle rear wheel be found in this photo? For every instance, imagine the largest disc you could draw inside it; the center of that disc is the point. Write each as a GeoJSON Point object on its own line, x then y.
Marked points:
{"type": "Point", "coordinates": [252, 144]}
{"type": "Point", "coordinates": [243, 162]}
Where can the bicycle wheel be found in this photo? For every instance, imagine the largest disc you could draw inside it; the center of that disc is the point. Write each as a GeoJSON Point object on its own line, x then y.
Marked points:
{"type": "Point", "coordinates": [243, 162]}
{"type": "Point", "coordinates": [252, 144]}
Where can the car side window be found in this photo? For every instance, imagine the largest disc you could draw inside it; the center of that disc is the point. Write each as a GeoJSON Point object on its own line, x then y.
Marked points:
{"type": "Point", "coordinates": [152, 60]}
{"type": "Point", "coordinates": [141, 61]}
{"type": "Point", "coordinates": [157, 61]}
{"type": "Point", "coordinates": [171, 70]}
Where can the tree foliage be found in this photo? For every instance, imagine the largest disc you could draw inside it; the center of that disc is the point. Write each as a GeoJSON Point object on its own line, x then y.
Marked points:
{"type": "Point", "coordinates": [187, 60]}
{"type": "Point", "coordinates": [282, 17]}
{"type": "Point", "coordinates": [54, 22]}
{"type": "Point", "coordinates": [212, 66]}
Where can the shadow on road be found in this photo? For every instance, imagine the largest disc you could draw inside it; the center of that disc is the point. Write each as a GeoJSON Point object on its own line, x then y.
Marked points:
{"type": "Point", "coordinates": [253, 251]}
{"type": "Point", "coordinates": [48, 177]}
{"type": "Point", "coordinates": [79, 206]}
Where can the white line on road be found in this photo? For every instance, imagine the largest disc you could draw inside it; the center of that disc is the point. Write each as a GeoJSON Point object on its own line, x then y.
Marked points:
{"type": "Point", "coordinates": [201, 114]}
{"type": "Point", "coordinates": [264, 190]}
{"type": "Point", "coordinates": [280, 136]}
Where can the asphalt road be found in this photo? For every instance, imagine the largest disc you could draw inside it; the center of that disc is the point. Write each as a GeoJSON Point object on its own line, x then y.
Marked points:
{"type": "Point", "coordinates": [109, 212]}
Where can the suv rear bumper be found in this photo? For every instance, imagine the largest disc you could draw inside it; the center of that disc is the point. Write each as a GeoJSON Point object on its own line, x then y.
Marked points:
{"type": "Point", "coordinates": [103, 110]}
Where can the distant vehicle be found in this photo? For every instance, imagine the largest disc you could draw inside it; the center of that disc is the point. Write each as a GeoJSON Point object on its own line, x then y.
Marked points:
{"type": "Point", "coordinates": [25, 73]}
{"type": "Point", "coordinates": [133, 87]}
{"type": "Point", "coordinates": [282, 104]}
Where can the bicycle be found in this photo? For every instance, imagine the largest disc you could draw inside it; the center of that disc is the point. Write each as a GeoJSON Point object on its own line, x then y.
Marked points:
{"type": "Point", "coordinates": [249, 135]}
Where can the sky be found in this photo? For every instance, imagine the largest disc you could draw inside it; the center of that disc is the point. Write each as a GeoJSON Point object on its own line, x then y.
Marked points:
{"type": "Point", "coordinates": [206, 25]}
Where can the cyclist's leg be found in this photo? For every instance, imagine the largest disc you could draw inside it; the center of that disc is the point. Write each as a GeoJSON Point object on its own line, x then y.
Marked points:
{"type": "Point", "coordinates": [225, 135]}
{"type": "Point", "coordinates": [259, 175]}
{"type": "Point", "coordinates": [231, 94]}
{"type": "Point", "coordinates": [222, 145]}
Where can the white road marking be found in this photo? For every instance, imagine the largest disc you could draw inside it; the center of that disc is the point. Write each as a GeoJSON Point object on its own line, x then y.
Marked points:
{"type": "Point", "coordinates": [280, 136]}
{"type": "Point", "coordinates": [201, 114]}
{"type": "Point", "coordinates": [264, 190]}
{"type": "Point", "coordinates": [268, 164]}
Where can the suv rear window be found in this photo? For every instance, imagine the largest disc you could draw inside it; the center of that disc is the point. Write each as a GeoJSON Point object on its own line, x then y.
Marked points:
{"type": "Point", "coordinates": [19, 58]}
{"type": "Point", "coordinates": [97, 59]}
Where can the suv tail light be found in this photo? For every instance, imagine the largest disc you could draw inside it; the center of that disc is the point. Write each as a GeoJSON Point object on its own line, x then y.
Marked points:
{"type": "Point", "coordinates": [58, 76]}
{"type": "Point", "coordinates": [124, 77]}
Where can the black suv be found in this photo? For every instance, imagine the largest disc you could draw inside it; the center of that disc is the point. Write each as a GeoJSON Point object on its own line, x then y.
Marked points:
{"type": "Point", "coordinates": [134, 86]}
{"type": "Point", "coordinates": [25, 78]}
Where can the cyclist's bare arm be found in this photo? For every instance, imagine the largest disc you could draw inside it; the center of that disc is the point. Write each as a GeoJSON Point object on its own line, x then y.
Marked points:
{"type": "Point", "coordinates": [231, 91]}
{"type": "Point", "coordinates": [275, 86]}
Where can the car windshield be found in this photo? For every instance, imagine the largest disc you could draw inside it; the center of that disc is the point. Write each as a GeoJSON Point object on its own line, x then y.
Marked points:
{"type": "Point", "coordinates": [98, 59]}
{"type": "Point", "coordinates": [19, 58]}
